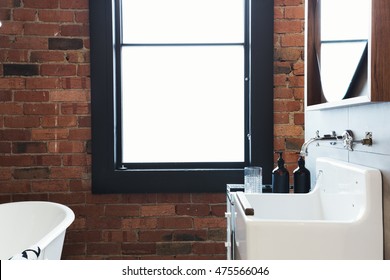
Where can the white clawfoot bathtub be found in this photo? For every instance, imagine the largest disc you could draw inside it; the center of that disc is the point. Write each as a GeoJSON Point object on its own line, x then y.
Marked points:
{"type": "Point", "coordinates": [30, 224]}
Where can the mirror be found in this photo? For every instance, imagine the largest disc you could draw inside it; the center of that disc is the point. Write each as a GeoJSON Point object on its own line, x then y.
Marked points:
{"type": "Point", "coordinates": [342, 44]}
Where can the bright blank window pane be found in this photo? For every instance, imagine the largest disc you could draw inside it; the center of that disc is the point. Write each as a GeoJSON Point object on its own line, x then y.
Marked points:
{"type": "Point", "coordinates": [183, 21]}
{"type": "Point", "coordinates": [183, 104]}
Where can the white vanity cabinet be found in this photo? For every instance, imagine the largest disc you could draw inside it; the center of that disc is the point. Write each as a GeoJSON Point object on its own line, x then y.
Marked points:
{"type": "Point", "coordinates": [230, 215]}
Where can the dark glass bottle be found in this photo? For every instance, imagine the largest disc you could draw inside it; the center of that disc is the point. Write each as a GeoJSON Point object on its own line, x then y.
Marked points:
{"type": "Point", "coordinates": [301, 177]}
{"type": "Point", "coordinates": [280, 177]}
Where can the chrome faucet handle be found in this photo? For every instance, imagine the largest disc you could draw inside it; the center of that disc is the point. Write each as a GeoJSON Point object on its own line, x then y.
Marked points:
{"type": "Point", "coordinates": [348, 139]}
{"type": "Point", "coordinates": [366, 141]}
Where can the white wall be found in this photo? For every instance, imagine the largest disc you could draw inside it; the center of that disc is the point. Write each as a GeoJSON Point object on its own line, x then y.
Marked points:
{"type": "Point", "coordinates": [373, 117]}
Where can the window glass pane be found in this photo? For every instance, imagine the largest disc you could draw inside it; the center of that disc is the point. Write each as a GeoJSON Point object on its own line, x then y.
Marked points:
{"type": "Point", "coordinates": [183, 104]}
{"type": "Point", "coordinates": [183, 21]}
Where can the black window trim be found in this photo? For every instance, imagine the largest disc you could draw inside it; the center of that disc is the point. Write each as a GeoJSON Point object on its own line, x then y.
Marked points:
{"type": "Point", "coordinates": [108, 174]}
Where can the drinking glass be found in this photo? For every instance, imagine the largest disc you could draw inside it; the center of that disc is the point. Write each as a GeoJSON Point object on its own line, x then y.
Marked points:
{"type": "Point", "coordinates": [253, 179]}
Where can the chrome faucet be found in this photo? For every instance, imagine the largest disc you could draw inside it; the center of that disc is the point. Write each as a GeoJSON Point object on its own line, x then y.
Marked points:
{"type": "Point", "coordinates": [328, 137]}
{"type": "Point", "coordinates": [346, 137]}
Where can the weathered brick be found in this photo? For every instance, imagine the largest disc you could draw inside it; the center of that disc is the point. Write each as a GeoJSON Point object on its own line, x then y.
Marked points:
{"type": "Point", "coordinates": [292, 40]}
{"type": "Point", "coordinates": [82, 16]}
{"type": "Point", "coordinates": [67, 198]}
{"type": "Point", "coordinates": [5, 14]}
{"type": "Point", "coordinates": [282, 67]}
{"type": "Point", "coordinates": [47, 4]}
{"type": "Point", "coordinates": [32, 173]}
{"type": "Point", "coordinates": [157, 210]}
{"type": "Point", "coordinates": [76, 83]}
{"type": "Point", "coordinates": [16, 160]}
{"type": "Point", "coordinates": [69, 95]}
{"type": "Point", "coordinates": [294, 13]}
{"type": "Point", "coordinates": [66, 147]}
{"type": "Point", "coordinates": [55, 16]}
{"type": "Point", "coordinates": [42, 29]}
{"type": "Point", "coordinates": [29, 147]}
{"type": "Point", "coordinates": [191, 235]}
{"type": "Point", "coordinates": [30, 43]}
{"type": "Point", "coordinates": [49, 186]}
{"type": "Point", "coordinates": [155, 236]}
{"type": "Point", "coordinates": [74, 249]}
{"type": "Point", "coordinates": [76, 160]}
{"type": "Point", "coordinates": [139, 223]}
{"type": "Point", "coordinates": [67, 172]}
{"type": "Point", "coordinates": [11, 109]}
{"type": "Point", "coordinates": [281, 118]}
{"type": "Point", "coordinates": [288, 130]}
{"type": "Point", "coordinates": [50, 134]}
{"type": "Point", "coordinates": [209, 248]}
{"type": "Point", "coordinates": [24, 14]}
{"type": "Point", "coordinates": [75, 4]}
{"type": "Point", "coordinates": [43, 83]}
{"type": "Point", "coordinates": [58, 70]}
{"type": "Point", "coordinates": [13, 56]}
{"type": "Point", "coordinates": [138, 248]}
{"type": "Point", "coordinates": [218, 210]}
{"type": "Point", "coordinates": [31, 96]}
{"type": "Point", "coordinates": [5, 95]}
{"type": "Point", "coordinates": [103, 248]}
{"type": "Point", "coordinates": [287, 105]}
{"type": "Point", "coordinates": [15, 134]}
{"type": "Point", "coordinates": [217, 234]}
{"type": "Point", "coordinates": [5, 173]}
{"type": "Point", "coordinates": [83, 70]}
{"type": "Point", "coordinates": [209, 222]}
{"type": "Point", "coordinates": [59, 121]}
{"type": "Point", "coordinates": [47, 56]}
{"type": "Point", "coordinates": [48, 160]}
{"type": "Point", "coordinates": [288, 26]}
{"type": "Point", "coordinates": [40, 109]}
{"type": "Point", "coordinates": [173, 248]}
{"type": "Point", "coordinates": [119, 236]}
{"type": "Point", "coordinates": [193, 209]}
{"type": "Point", "coordinates": [65, 44]}
{"type": "Point", "coordinates": [208, 197]}
{"type": "Point", "coordinates": [80, 134]}
{"type": "Point", "coordinates": [75, 108]}
{"type": "Point", "coordinates": [5, 147]}
{"type": "Point", "coordinates": [174, 222]}
{"type": "Point", "coordinates": [11, 28]}
{"type": "Point", "coordinates": [80, 30]}
{"type": "Point", "coordinates": [12, 83]}
{"type": "Point", "coordinates": [21, 122]}
{"type": "Point", "coordinates": [85, 121]}
{"type": "Point", "coordinates": [15, 187]}
{"type": "Point", "coordinates": [299, 119]}
{"type": "Point", "coordinates": [122, 210]}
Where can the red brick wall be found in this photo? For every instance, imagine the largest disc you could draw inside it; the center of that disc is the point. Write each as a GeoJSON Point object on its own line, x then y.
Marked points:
{"type": "Point", "coordinates": [289, 79]}
{"type": "Point", "coordinates": [45, 136]}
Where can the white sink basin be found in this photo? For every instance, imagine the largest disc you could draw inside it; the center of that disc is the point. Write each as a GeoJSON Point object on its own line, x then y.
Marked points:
{"type": "Point", "coordinates": [340, 219]}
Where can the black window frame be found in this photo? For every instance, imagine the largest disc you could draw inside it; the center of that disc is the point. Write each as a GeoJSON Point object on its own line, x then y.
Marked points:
{"type": "Point", "coordinates": [110, 175]}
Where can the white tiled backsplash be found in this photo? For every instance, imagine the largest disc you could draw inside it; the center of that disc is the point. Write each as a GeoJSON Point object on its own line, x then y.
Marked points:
{"type": "Point", "coordinates": [359, 119]}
